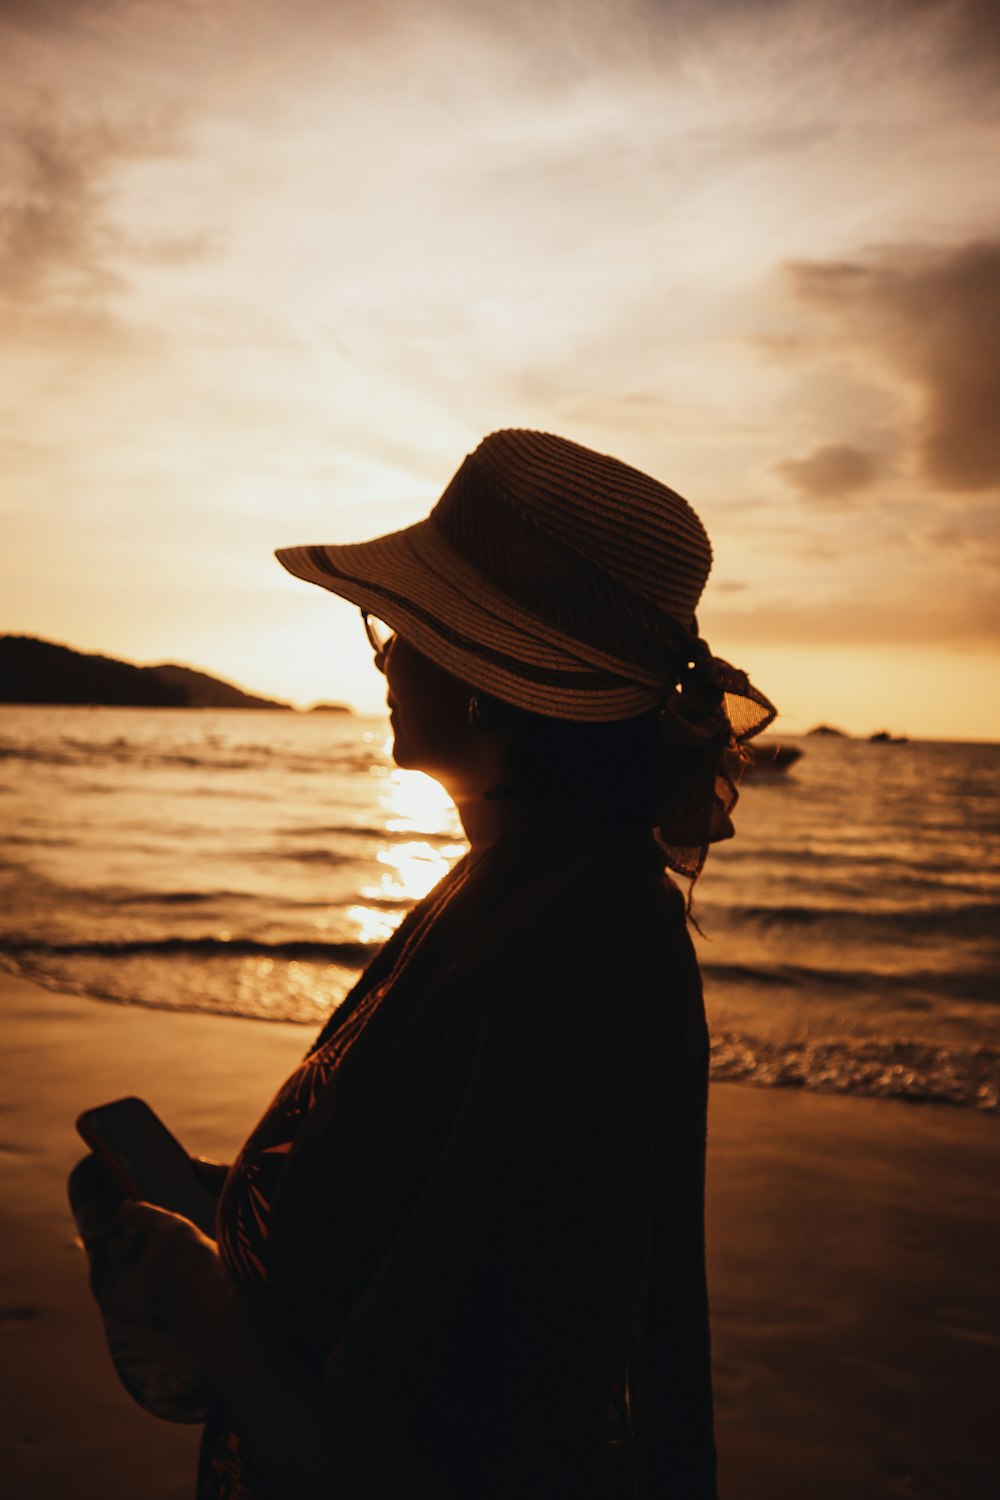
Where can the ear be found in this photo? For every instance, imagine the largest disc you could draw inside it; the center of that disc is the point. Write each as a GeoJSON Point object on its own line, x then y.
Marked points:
{"type": "Point", "coordinates": [487, 713]}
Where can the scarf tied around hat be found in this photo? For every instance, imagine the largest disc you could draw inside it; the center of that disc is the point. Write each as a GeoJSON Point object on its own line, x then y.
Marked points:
{"type": "Point", "coordinates": [703, 726]}
{"type": "Point", "coordinates": [672, 769]}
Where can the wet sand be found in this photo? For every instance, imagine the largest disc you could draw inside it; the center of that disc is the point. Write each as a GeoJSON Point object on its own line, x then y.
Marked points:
{"type": "Point", "coordinates": [853, 1248]}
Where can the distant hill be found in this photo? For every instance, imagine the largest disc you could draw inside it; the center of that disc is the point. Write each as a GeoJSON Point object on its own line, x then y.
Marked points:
{"type": "Point", "coordinates": [828, 729]}
{"type": "Point", "coordinates": [33, 671]}
{"type": "Point", "coordinates": [202, 691]}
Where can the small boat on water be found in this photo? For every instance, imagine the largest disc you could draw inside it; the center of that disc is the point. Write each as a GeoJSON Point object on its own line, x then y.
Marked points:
{"type": "Point", "coordinates": [883, 737]}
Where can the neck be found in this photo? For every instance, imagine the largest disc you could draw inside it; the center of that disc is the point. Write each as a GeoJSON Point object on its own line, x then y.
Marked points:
{"type": "Point", "coordinates": [485, 820]}
{"type": "Point", "coordinates": [484, 768]}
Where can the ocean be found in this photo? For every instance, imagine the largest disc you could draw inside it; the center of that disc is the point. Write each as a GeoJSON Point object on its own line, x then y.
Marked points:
{"type": "Point", "coordinates": [249, 863]}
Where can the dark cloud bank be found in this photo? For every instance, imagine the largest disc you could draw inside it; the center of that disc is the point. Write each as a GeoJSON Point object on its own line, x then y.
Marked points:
{"type": "Point", "coordinates": [933, 318]}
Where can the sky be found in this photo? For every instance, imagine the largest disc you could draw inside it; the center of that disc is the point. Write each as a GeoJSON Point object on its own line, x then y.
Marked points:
{"type": "Point", "coordinates": [270, 268]}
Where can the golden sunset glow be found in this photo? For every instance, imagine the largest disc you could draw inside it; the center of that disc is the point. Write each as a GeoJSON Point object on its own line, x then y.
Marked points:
{"type": "Point", "coordinates": [269, 272]}
{"type": "Point", "coordinates": [413, 804]}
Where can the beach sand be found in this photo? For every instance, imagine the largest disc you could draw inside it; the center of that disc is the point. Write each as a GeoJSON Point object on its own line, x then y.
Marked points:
{"type": "Point", "coordinates": [853, 1251]}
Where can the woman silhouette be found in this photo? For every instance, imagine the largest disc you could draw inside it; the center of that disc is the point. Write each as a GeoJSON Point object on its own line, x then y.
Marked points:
{"type": "Point", "coordinates": [462, 1254]}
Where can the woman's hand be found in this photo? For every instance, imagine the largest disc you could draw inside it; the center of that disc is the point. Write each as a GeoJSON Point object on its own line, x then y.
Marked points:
{"type": "Point", "coordinates": [177, 1271]}
{"type": "Point", "coordinates": [211, 1174]}
{"type": "Point", "coordinates": [150, 1266]}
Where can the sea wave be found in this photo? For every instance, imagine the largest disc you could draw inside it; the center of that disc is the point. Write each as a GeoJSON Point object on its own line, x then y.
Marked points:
{"type": "Point", "coordinates": [297, 950]}
{"type": "Point", "coordinates": [960, 983]}
{"type": "Point", "coordinates": [969, 919]}
{"type": "Point", "coordinates": [113, 753]}
{"type": "Point", "coordinates": [436, 837]}
{"type": "Point", "coordinates": [168, 898]}
{"type": "Point", "coordinates": [873, 1068]}
{"type": "Point", "coordinates": [923, 868]}
{"type": "Point", "coordinates": [86, 753]}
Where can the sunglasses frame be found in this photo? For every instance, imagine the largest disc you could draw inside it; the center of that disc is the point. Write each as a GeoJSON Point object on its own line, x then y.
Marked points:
{"type": "Point", "coordinates": [377, 645]}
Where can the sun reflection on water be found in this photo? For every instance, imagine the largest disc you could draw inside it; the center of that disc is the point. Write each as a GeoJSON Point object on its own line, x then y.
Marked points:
{"type": "Point", "coordinates": [373, 926]}
{"type": "Point", "coordinates": [412, 804]}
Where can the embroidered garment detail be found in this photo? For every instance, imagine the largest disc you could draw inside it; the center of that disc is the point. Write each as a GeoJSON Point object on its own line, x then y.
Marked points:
{"type": "Point", "coordinates": [245, 1206]}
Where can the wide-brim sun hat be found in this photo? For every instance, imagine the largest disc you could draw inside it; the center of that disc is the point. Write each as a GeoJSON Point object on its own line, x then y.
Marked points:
{"type": "Point", "coordinates": [558, 579]}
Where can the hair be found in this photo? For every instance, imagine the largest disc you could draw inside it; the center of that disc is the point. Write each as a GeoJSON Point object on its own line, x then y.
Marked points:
{"type": "Point", "coordinates": [645, 772]}
{"type": "Point", "coordinates": [612, 767]}
{"type": "Point", "coordinates": [631, 773]}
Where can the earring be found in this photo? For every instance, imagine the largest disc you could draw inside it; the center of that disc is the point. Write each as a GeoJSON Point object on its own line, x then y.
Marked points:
{"type": "Point", "coordinates": [486, 713]}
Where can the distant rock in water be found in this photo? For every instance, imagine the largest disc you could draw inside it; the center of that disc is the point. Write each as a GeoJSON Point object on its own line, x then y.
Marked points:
{"type": "Point", "coordinates": [33, 671]}
{"type": "Point", "coordinates": [330, 708]}
{"type": "Point", "coordinates": [828, 729]}
{"type": "Point", "coordinates": [883, 737]}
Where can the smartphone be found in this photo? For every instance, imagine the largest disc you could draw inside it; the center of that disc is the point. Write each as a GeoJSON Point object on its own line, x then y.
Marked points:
{"type": "Point", "coordinates": [146, 1160]}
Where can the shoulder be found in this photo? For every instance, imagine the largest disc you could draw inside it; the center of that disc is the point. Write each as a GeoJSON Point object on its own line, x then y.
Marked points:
{"type": "Point", "coordinates": [579, 932]}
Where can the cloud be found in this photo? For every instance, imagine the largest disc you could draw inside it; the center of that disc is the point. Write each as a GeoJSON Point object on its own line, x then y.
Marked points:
{"type": "Point", "coordinates": [831, 473]}
{"type": "Point", "coordinates": [863, 617]}
{"type": "Point", "coordinates": [50, 222]}
{"type": "Point", "coordinates": [389, 228]}
{"type": "Point", "coordinates": [973, 545]}
{"type": "Point", "coordinates": [971, 30]}
{"type": "Point", "coordinates": [57, 15]}
{"type": "Point", "coordinates": [932, 318]}
{"type": "Point", "coordinates": [64, 256]}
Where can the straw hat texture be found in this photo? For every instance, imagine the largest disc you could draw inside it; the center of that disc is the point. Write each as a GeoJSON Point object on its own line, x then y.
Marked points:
{"type": "Point", "coordinates": [556, 578]}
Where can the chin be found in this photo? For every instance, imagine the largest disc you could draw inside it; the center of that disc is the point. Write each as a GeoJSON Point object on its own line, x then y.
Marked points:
{"type": "Point", "coordinates": [400, 754]}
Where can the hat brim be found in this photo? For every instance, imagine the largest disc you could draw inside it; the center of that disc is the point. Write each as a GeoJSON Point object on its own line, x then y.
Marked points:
{"type": "Point", "coordinates": [416, 582]}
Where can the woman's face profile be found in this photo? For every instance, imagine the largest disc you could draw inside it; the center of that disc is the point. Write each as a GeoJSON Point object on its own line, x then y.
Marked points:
{"type": "Point", "coordinates": [429, 711]}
